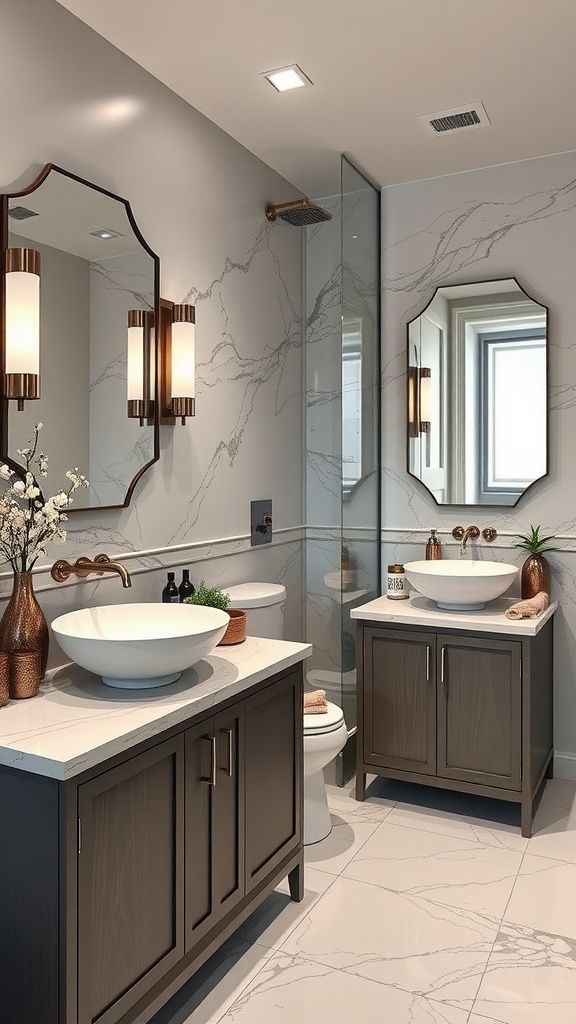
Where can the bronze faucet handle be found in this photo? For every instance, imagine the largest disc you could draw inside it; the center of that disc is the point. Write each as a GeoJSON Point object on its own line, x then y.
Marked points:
{"type": "Point", "coordinates": [489, 533]}
{"type": "Point", "coordinates": [473, 533]}
{"type": "Point", "coordinates": [458, 532]}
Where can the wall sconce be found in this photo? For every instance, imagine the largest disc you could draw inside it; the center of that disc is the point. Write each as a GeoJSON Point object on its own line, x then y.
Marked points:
{"type": "Point", "coordinates": [22, 332]}
{"type": "Point", "coordinates": [177, 361]}
{"type": "Point", "coordinates": [419, 400]}
{"type": "Point", "coordinates": [140, 365]}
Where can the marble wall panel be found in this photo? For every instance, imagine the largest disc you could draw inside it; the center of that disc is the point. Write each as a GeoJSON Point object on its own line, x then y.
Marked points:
{"type": "Point", "coordinates": [198, 198]}
{"type": "Point", "coordinates": [513, 220]}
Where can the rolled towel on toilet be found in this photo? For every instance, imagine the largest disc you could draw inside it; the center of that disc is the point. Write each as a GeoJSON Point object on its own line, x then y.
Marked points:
{"type": "Point", "coordinates": [315, 702]}
{"type": "Point", "coordinates": [530, 608]}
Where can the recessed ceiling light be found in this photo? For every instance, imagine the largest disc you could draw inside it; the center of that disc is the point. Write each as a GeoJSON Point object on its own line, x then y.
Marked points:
{"type": "Point", "coordinates": [105, 233]}
{"type": "Point", "coordinates": [291, 77]}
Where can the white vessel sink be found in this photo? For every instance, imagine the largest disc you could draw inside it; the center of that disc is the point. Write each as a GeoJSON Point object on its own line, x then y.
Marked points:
{"type": "Point", "coordinates": [139, 645]}
{"type": "Point", "coordinates": [460, 586]}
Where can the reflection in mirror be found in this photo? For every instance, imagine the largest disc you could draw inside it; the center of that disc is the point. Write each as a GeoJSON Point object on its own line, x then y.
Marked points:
{"type": "Point", "coordinates": [477, 368]}
{"type": "Point", "coordinates": [98, 277]}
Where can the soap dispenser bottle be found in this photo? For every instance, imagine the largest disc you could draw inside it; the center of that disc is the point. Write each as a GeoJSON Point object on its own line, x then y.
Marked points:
{"type": "Point", "coordinates": [170, 593]}
{"type": "Point", "coordinates": [433, 547]}
{"type": "Point", "coordinates": [186, 588]}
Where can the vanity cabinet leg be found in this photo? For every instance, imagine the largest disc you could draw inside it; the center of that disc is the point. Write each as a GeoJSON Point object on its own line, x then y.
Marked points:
{"type": "Point", "coordinates": [360, 785]}
{"type": "Point", "coordinates": [526, 817]}
{"type": "Point", "coordinates": [296, 882]}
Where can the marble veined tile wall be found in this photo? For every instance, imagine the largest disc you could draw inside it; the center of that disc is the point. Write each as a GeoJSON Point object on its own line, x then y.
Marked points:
{"type": "Point", "coordinates": [198, 198]}
{"type": "Point", "coordinates": [513, 220]}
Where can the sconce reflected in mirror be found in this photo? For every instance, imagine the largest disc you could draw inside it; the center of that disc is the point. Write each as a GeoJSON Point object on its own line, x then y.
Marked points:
{"type": "Point", "coordinates": [140, 365]}
{"type": "Point", "coordinates": [22, 331]}
{"type": "Point", "coordinates": [419, 400]}
{"type": "Point", "coordinates": [177, 361]}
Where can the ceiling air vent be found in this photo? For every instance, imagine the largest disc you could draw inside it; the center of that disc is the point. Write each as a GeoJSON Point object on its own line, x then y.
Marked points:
{"type": "Point", "coordinates": [21, 213]}
{"type": "Point", "coordinates": [457, 119]}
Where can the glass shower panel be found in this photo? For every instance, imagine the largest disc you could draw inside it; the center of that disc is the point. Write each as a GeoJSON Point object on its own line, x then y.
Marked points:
{"type": "Point", "coordinates": [360, 376]}
{"type": "Point", "coordinates": [342, 437]}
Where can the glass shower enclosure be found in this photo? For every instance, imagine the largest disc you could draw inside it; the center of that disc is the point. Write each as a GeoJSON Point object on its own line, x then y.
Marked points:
{"type": "Point", "coordinates": [342, 437]}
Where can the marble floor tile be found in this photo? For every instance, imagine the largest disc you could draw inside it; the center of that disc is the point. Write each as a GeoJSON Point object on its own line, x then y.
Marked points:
{"type": "Point", "coordinates": [531, 973]}
{"type": "Point", "coordinates": [337, 850]}
{"type": "Point", "coordinates": [343, 803]}
{"type": "Point", "coordinates": [217, 984]}
{"type": "Point", "coordinates": [474, 1018]}
{"type": "Point", "coordinates": [554, 833]}
{"type": "Point", "coordinates": [452, 871]}
{"type": "Point", "coordinates": [544, 898]}
{"type": "Point", "coordinates": [278, 915]}
{"type": "Point", "coordinates": [560, 793]}
{"type": "Point", "coordinates": [491, 822]}
{"type": "Point", "coordinates": [397, 939]}
{"type": "Point", "coordinates": [289, 990]}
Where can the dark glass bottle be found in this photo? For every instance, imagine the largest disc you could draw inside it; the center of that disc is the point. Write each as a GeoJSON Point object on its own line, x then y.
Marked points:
{"type": "Point", "coordinates": [170, 592]}
{"type": "Point", "coordinates": [186, 589]}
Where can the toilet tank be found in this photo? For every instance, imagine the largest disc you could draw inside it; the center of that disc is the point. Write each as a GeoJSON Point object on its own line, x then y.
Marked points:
{"type": "Point", "coordinates": [264, 607]}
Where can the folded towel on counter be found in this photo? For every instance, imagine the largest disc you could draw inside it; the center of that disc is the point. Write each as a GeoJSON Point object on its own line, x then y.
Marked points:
{"type": "Point", "coordinates": [315, 702]}
{"type": "Point", "coordinates": [530, 608]}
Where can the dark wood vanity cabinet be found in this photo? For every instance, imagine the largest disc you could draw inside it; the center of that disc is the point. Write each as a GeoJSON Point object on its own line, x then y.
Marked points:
{"type": "Point", "coordinates": [118, 884]}
{"type": "Point", "coordinates": [465, 711]}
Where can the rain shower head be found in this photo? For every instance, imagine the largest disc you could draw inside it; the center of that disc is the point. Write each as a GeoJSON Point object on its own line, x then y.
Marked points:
{"type": "Point", "coordinates": [300, 212]}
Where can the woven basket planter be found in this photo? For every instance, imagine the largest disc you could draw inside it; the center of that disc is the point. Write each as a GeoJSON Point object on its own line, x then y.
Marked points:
{"type": "Point", "coordinates": [236, 630]}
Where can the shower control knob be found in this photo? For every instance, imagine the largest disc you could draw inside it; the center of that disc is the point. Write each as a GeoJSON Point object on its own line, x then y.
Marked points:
{"type": "Point", "coordinates": [267, 521]}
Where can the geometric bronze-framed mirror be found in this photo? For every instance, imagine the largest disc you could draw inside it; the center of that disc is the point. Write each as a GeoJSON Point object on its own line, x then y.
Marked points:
{"type": "Point", "coordinates": [477, 382]}
{"type": "Point", "coordinates": [98, 275]}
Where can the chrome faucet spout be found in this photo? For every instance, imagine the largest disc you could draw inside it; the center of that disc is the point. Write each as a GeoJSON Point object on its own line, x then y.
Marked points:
{"type": "Point", "coordinates": [83, 566]}
{"type": "Point", "coordinates": [464, 535]}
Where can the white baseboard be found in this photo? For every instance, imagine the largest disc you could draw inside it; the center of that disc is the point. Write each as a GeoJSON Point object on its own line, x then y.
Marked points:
{"type": "Point", "coordinates": [564, 766]}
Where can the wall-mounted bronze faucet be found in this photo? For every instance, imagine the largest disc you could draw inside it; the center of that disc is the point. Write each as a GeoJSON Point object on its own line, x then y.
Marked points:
{"type": "Point", "coordinates": [83, 566]}
{"type": "Point", "coordinates": [464, 535]}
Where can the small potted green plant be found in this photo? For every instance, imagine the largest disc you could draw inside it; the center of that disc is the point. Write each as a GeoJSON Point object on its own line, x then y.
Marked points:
{"type": "Point", "coordinates": [535, 573]}
{"type": "Point", "coordinates": [212, 597]}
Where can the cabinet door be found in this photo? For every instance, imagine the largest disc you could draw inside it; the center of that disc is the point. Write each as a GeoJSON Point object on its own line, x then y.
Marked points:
{"type": "Point", "coordinates": [130, 881]}
{"type": "Point", "coordinates": [214, 824]}
{"type": "Point", "coordinates": [399, 721]}
{"type": "Point", "coordinates": [479, 711]}
{"type": "Point", "coordinates": [274, 775]}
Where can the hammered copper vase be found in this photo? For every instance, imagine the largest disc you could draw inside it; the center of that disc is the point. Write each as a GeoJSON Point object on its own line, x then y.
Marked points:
{"type": "Point", "coordinates": [535, 577]}
{"type": "Point", "coordinates": [23, 626]}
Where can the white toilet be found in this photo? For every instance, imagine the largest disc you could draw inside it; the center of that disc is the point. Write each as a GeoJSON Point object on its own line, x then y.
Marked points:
{"type": "Point", "coordinates": [324, 735]}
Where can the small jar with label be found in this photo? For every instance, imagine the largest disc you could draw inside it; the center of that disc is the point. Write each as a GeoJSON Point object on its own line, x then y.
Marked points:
{"type": "Point", "coordinates": [396, 583]}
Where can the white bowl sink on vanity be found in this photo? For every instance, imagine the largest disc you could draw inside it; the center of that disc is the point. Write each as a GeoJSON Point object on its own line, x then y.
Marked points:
{"type": "Point", "coordinates": [138, 646]}
{"type": "Point", "coordinates": [466, 585]}
{"type": "Point", "coordinates": [186, 798]}
{"type": "Point", "coordinates": [460, 699]}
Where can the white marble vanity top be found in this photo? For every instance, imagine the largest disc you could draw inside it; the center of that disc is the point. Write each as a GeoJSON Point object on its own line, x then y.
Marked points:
{"type": "Point", "coordinates": [420, 611]}
{"type": "Point", "coordinates": [76, 722]}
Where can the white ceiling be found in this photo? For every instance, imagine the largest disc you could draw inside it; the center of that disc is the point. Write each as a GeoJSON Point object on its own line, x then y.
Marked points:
{"type": "Point", "coordinates": [375, 64]}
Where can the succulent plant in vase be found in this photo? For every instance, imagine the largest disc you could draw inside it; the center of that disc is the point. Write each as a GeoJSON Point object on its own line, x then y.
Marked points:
{"type": "Point", "coordinates": [535, 573]}
{"type": "Point", "coordinates": [212, 597]}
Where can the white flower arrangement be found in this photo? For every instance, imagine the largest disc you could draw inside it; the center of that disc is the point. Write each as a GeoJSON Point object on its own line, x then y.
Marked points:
{"type": "Point", "coordinates": [28, 520]}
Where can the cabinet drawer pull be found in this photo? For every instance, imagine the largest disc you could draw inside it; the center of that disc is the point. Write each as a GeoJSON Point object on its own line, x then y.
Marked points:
{"type": "Point", "coordinates": [442, 664]}
{"type": "Point", "coordinates": [230, 770]}
{"type": "Point", "coordinates": [428, 663]}
{"type": "Point", "coordinates": [211, 780]}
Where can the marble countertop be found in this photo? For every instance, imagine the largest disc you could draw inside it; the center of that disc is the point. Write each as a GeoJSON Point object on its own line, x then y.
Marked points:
{"type": "Point", "coordinates": [76, 722]}
{"type": "Point", "coordinates": [420, 611]}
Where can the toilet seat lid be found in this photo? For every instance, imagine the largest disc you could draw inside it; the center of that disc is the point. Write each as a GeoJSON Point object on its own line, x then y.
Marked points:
{"type": "Point", "coordinates": [315, 725]}
{"type": "Point", "coordinates": [255, 595]}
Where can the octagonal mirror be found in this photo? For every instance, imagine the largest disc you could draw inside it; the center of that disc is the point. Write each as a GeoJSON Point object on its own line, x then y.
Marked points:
{"type": "Point", "coordinates": [477, 431]}
{"type": "Point", "coordinates": [97, 275]}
